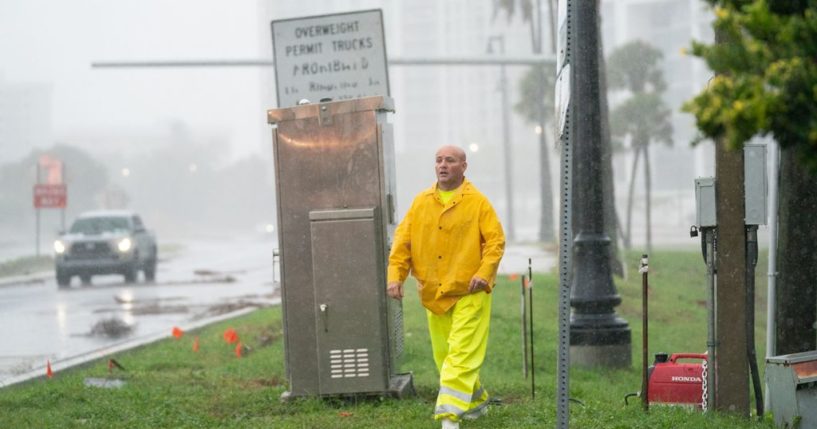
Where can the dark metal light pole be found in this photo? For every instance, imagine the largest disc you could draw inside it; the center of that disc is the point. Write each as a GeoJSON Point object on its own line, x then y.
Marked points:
{"type": "Point", "coordinates": [598, 337]}
{"type": "Point", "coordinates": [506, 136]}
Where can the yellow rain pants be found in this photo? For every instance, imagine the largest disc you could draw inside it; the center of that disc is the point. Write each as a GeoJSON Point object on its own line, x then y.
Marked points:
{"type": "Point", "coordinates": [459, 338]}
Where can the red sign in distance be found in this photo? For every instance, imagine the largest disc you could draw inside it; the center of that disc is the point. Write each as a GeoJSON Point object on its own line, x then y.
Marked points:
{"type": "Point", "coordinates": [50, 196]}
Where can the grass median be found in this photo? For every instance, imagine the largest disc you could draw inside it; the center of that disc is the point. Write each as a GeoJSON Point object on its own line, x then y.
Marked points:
{"type": "Point", "coordinates": [167, 384]}
{"type": "Point", "coordinates": [26, 265]}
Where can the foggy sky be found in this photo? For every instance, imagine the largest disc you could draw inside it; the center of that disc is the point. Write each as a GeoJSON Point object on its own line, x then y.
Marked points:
{"type": "Point", "coordinates": [54, 42]}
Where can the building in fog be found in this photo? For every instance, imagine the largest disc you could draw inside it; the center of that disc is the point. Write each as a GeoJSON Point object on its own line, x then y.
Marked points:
{"type": "Point", "coordinates": [25, 119]}
{"type": "Point", "coordinates": [670, 26]}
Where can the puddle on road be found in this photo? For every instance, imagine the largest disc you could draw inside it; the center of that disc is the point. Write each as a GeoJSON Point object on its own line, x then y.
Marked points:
{"type": "Point", "coordinates": [121, 299]}
{"type": "Point", "coordinates": [201, 272]}
{"type": "Point", "coordinates": [156, 308]}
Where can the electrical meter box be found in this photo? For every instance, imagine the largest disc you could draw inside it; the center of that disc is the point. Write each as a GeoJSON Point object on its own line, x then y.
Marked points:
{"type": "Point", "coordinates": [334, 174]}
{"type": "Point", "coordinates": [755, 186]}
{"type": "Point", "coordinates": [792, 381]}
{"type": "Point", "coordinates": [755, 190]}
{"type": "Point", "coordinates": [705, 214]}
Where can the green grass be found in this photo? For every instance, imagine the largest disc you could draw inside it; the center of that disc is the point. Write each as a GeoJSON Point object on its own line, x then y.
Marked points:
{"type": "Point", "coordinates": [170, 386]}
{"type": "Point", "coordinates": [26, 265]}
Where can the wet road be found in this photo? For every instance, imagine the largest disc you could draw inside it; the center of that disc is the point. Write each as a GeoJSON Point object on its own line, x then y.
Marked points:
{"type": "Point", "coordinates": [200, 279]}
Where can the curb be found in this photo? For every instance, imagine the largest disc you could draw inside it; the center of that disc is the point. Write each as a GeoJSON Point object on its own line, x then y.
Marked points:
{"type": "Point", "coordinates": [90, 357]}
{"type": "Point", "coordinates": [26, 279]}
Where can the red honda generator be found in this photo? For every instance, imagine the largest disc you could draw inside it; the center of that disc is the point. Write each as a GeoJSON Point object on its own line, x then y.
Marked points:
{"type": "Point", "coordinates": [671, 382]}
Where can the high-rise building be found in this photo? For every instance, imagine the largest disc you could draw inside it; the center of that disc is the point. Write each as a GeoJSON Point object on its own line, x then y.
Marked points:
{"type": "Point", "coordinates": [25, 119]}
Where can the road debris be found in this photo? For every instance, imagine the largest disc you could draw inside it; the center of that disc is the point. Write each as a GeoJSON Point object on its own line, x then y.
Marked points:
{"type": "Point", "coordinates": [111, 328]}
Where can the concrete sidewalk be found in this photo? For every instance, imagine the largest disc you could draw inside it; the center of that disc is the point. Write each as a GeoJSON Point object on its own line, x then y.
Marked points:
{"type": "Point", "coordinates": [516, 258]}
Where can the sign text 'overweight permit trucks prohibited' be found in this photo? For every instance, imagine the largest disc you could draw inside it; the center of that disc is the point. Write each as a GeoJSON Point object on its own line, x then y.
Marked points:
{"type": "Point", "coordinates": [339, 56]}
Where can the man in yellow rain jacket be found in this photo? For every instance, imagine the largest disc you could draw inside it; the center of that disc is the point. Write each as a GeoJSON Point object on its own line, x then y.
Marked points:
{"type": "Point", "coordinates": [451, 241]}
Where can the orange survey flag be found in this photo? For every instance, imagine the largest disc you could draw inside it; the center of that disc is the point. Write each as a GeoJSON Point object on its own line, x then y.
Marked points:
{"type": "Point", "coordinates": [230, 336]}
{"type": "Point", "coordinates": [196, 344]}
{"type": "Point", "coordinates": [48, 372]}
{"type": "Point", "coordinates": [238, 350]}
{"type": "Point", "coordinates": [177, 332]}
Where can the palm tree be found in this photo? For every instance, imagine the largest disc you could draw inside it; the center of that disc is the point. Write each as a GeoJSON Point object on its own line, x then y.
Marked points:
{"type": "Point", "coordinates": [643, 117]}
{"type": "Point", "coordinates": [536, 104]}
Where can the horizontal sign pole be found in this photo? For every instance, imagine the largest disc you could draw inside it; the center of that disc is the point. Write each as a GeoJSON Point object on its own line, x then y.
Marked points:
{"type": "Point", "coordinates": [495, 60]}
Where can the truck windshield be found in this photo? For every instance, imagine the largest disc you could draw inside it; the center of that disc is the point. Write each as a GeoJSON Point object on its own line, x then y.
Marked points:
{"type": "Point", "coordinates": [98, 225]}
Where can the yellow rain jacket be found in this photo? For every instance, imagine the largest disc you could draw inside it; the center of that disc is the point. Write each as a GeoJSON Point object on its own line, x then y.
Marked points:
{"type": "Point", "coordinates": [445, 245]}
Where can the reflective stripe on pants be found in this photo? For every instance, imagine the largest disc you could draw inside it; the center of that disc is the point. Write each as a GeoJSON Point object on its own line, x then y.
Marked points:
{"type": "Point", "coordinates": [459, 339]}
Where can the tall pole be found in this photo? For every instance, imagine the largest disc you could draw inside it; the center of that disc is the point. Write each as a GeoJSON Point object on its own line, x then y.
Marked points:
{"type": "Point", "coordinates": [771, 290]}
{"type": "Point", "coordinates": [37, 217]}
{"type": "Point", "coordinates": [564, 128]}
{"type": "Point", "coordinates": [506, 138]}
{"type": "Point", "coordinates": [598, 337]}
{"type": "Point", "coordinates": [731, 369]}
{"type": "Point", "coordinates": [546, 232]}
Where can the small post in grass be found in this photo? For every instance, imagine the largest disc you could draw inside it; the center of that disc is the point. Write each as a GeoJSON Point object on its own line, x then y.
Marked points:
{"type": "Point", "coordinates": [530, 318]}
{"type": "Point", "coordinates": [524, 318]}
{"type": "Point", "coordinates": [644, 270]}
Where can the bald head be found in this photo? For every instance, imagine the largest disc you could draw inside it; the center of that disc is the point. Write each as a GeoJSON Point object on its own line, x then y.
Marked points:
{"type": "Point", "coordinates": [452, 150]}
{"type": "Point", "coordinates": [450, 167]}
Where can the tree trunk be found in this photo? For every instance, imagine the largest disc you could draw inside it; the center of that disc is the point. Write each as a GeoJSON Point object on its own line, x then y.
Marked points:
{"type": "Point", "coordinates": [796, 309]}
{"type": "Point", "coordinates": [628, 235]}
{"type": "Point", "coordinates": [648, 196]}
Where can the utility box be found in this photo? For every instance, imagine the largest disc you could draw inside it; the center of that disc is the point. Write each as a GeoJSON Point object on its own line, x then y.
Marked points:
{"type": "Point", "coordinates": [792, 381]}
{"type": "Point", "coordinates": [754, 180]}
{"type": "Point", "coordinates": [755, 191]}
{"type": "Point", "coordinates": [705, 214]}
{"type": "Point", "coordinates": [334, 173]}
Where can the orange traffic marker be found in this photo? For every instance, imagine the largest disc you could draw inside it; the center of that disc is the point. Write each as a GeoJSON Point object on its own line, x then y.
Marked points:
{"type": "Point", "coordinates": [177, 332]}
{"type": "Point", "coordinates": [238, 350]}
{"type": "Point", "coordinates": [230, 336]}
{"type": "Point", "coordinates": [48, 372]}
{"type": "Point", "coordinates": [196, 344]}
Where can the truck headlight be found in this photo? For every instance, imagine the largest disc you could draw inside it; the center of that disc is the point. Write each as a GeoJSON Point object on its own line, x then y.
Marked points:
{"type": "Point", "coordinates": [59, 247]}
{"type": "Point", "coordinates": [124, 245]}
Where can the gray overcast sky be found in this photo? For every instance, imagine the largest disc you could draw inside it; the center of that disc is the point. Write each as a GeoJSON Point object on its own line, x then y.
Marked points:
{"type": "Point", "coordinates": [55, 41]}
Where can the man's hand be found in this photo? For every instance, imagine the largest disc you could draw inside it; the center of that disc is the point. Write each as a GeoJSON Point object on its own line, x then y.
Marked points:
{"type": "Point", "coordinates": [395, 290]}
{"type": "Point", "coordinates": [477, 284]}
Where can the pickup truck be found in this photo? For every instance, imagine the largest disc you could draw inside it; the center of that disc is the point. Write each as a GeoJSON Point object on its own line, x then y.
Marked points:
{"type": "Point", "coordinates": [105, 242]}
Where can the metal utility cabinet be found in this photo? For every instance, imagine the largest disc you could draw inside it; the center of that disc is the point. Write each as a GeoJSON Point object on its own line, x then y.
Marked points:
{"type": "Point", "coordinates": [792, 381]}
{"type": "Point", "coordinates": [334, 171]}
